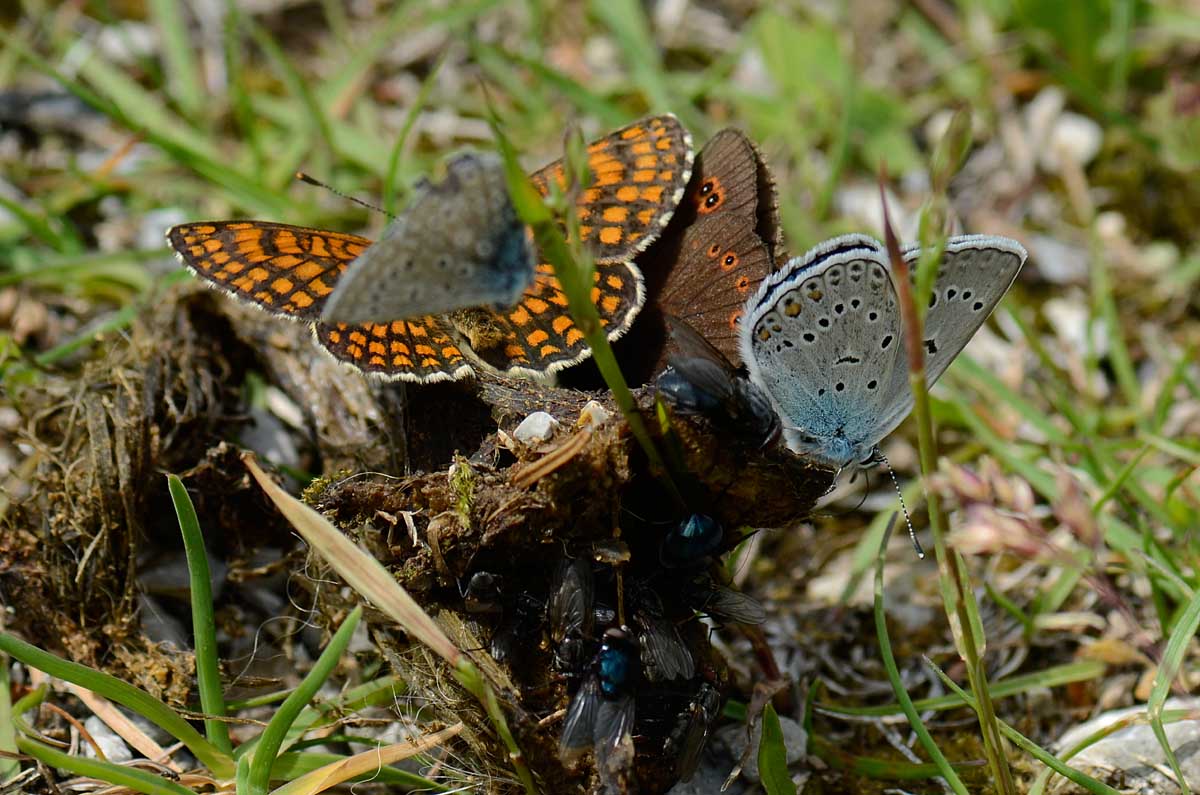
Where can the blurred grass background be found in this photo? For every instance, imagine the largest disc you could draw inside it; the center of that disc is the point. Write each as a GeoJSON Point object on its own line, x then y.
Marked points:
{"type": "Point", "coordinates": [119, 119]}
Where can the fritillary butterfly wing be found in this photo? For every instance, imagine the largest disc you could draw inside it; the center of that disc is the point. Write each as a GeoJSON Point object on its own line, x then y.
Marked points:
{"type": "Point", "coordinates": [287, 270]}
{"type": "Point", "coordinates": [638, 176]}
{"type": "Point", "coordinates": [290, 271]}
{"type": "Point", "coordinates": [423, 349]}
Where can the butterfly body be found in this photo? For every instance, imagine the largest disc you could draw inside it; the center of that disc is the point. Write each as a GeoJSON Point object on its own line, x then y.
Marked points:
{"type": "Point", "coordinates": [458, 244]}
{"type": "Point", "coordinates": [824, 339]}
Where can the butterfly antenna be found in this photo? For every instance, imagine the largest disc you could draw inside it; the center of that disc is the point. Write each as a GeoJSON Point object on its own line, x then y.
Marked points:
{"type": "Point", "coordinates": [834, 481]}
{"type": "Point", "coordinates": [907, 520]}
{"type": "Point", "coordinates": [866, 492]}
{"type": "Point", "coordinates": [300, 175]}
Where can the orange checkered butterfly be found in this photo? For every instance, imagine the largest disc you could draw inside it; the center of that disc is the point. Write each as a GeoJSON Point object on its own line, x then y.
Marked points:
{"type": "Point", "coordinates": [721, 243]}
{"type": "Point", "coordinates": [638, 174]}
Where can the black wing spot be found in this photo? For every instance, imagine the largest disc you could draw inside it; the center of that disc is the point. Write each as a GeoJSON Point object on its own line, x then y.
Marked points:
{"type": "Point", "coordinates": [931, 346]}
{"type": "Point", "coordinates": [951, 292]}
{"type": "Point", "coordinates": [886, 342]}
{"type": "Point", "coordinates": [873, 316]}
{"type": "Point", "coordinates": [855, 303]}
{"type": "Point", "coordinates": [847, 360]}
{"type": "Point", "coordinates": [821, 392]}
{"type": "Point", "coordinates": [839, 308]}
{"type": "Point", "coordinates": [823, 322]}
{"type": "Point", "coordinates": [932, 299]}
{"type": "Point", "coordinates": [966, 295]}
{"type": "Point", "coordinates": [808, 336]}
{"type": "Point", "coordinates": [872, 384]}
{"type": "Point", "coordinates": [788, 344]}
{"type": "Point", "coordinates": [839, 386]}
{"type": "Point", "coordinates": [978, 305]}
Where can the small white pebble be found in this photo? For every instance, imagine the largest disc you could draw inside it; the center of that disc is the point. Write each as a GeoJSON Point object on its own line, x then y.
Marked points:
{"type": "Point", "coordinates": [1041, 114]}
{"type": "Point", "coordinates": [537, 427]}
{"type": "Point", "coordinates": [1059, 262]}
{"type": "Point", "coordinates": [1074, 137]}
{"type": "Point", "coordinates": [795, 740]}
{"type": "Point", "coordinates": [115, 749]}
{"type": "Point", "coordinates": [593, 414]}
{"type": "Point", "coordinates": [1110, 224]}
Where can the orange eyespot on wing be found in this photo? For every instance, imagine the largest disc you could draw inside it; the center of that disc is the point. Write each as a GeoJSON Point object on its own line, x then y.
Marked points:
{"type": "Point", "coordinates": [286, 270]}
{"type": "Point", "coordinates": [730, 178]}
{"type": "Point", "coordinates": [421, 350]}
{"type": "Point", "coordinates": [539, 337]}
{"type": "Point", "coordinates": [637, 178]}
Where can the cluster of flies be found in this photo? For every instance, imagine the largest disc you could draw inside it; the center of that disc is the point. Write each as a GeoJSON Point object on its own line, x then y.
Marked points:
{"type": "Point", "coordinates": [611, 663]}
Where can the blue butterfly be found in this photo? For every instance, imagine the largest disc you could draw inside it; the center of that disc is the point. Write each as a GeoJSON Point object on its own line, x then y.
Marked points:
{"type": "Point", "coordinates": [823, 337]}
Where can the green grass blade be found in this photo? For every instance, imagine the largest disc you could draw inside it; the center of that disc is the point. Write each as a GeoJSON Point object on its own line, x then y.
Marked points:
{"type": "Point", "coordinates": [208, 675]}
{"type": "Point", "coordinates": [772, 756]}
{"type": "Point", "coordinates": [8, 734]}
{"type": "Point", "coordinates": [587, 101]}
{"type": "Point", "coordinates": [840, 151]}
{"type": "Point", "coordinates": [142, 109]}
{"type": "Point", "coordinates": [626, 20]}
{"type": "Point", "coordinates": [233, 51]}
{"type": "Point", "coordinates": [62, 272]}
{"type": "Point", "coordinates": [871, 767]}
{"type": "Point", "coordinates": [371, 580]}
{"type": "Point", "coordinates": [364, 57]}
{"type": "Point", "coordinates": [953, 578]}
{"type": "Point", "coordinates": [277, 729]}
{"type": "Point", "coordinates": [1180, 450]}
{"type": "Point", "coordinates": [1030, 747]}
{"type": "Point", "coordinates": [1111, 728]}
{"type": "Point", "coordinates": [124, 694]}
{"type": "Point", "coordinates": [985, 382]}
{"type": "Point", "coordinates": [184, 80]}
{"type": "Point", "coordinates": [1059, 675]}
{"type": "Point", "coordinates": [390, 192]}
{"type": "Point", "coordinates": [293, 765]}
{"type": "Point", "coordinates": [1166, 398]}
{"type": "Point", "coordinates": [40, 227]}
{"type": "Point", "coordinates": [1105, 306]}
{"type": "Point", "coordinates": [353, 145]}
{"type": "Point", "coordinates": [116, 775]}
{"type": "Point", "coordinates": [889, 664]}
{"type": "Point", "coordinates": [1118, 481]}
{"type": "Point", "coordinates": [1172, 662]}
{"type": "Point", "coordinates": [243, 774]}
{"type": "Point", "coordinates": [316, 118]}
{"type": "Point", "coordinates": [381, 692]}
{"type": "Point", "coordinates": [118, 97]}
{"type": "Point", "coordinates": [863, 559]}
